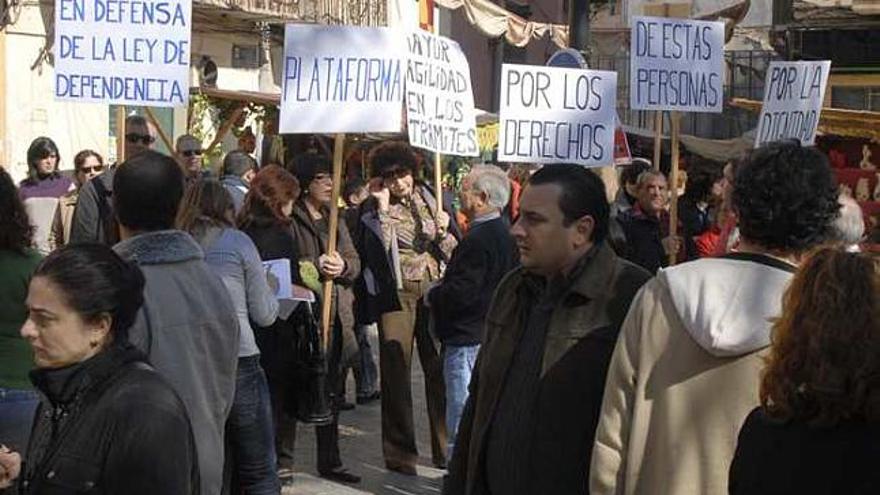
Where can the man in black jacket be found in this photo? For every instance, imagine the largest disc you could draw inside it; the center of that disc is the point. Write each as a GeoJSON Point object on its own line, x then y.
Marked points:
{"type": "Point", "coordinates": [460, 302]}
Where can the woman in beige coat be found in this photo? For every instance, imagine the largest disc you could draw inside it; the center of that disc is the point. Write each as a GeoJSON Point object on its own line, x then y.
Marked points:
{"type": "Point", "coordinates": [87, 164]}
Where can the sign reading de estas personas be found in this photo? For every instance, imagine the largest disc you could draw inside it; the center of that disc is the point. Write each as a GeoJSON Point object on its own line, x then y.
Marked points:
{"type": "Point", "coordinates": [677, 65]}
{"type": "Point", "coordinates": [127, 52]}
{"type": "Point", "coordinates": [439, 98]}
{"type": "Point", "coordinates": [793, 96]}
{"type": "Point", "coordinates": [342, 79]}
{"type": "Point", "coordinates": [557, 115]}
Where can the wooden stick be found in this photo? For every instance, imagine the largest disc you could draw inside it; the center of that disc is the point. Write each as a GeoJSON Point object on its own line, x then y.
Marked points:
{"type": "Point", "coordinates": [673, 183]}
{"type": "Point", "coordinates": [438, 183]}
{"type": "Point", "coordinates": [658, 138]}
{"type": "Point", "coordinates": [120, 133]}
{"type": "Point", "coordinates": [327, 300]}
{"type": "Point", "coordinates": [221, 133]}
{"type": "Point", "coordinates": [162, 134]}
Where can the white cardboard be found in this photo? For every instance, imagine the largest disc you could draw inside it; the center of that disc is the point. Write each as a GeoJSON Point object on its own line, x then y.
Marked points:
{"type": "Point", "coordinates": [439, 97]}
{"type": "Point", "coordinates": [676, 65]}
{"type": "Point", "coordinates": [793, 96]}
{"type": "Point", "coordinates": [342, 79]}
{"type": "Point", "coordinates": [126, 53]}
{"type": "Point", "coordinates": [557, 115]}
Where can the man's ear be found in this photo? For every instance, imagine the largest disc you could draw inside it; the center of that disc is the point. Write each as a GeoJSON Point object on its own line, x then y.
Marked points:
{"type": "Point", "coordinates": [584, 227]}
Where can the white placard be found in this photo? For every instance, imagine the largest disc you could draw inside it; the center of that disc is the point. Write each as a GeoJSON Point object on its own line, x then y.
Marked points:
{"type": "Point", "coordinates": [439, 97]}
{"type": "Point", "coordinates": [278, 276]}
{"type": "Point", "coordinates": [135, 52]}
{"type": "Point", "coordinates": [676, 64]}
{"type": "Point", "coordinates": [342, 79]}
{"type": "Point", "coordinates": [793, 96]}
{"type": "Point", "coordinates": [557, 115]}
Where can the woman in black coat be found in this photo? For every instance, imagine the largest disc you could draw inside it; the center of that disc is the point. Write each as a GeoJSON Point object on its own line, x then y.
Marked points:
{"type": "Point", "coordinates": [108, 422]}
{"type": "Point", "coordinates": [818, 429]}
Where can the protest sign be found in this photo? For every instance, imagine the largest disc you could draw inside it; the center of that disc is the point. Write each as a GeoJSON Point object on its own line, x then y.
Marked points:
{"type": "Point", "coordinates": [793, 96]}
{"type": "Point", "coordinates": [676, 64]}
{"type": "Point", "coordinates": [132, 52]}
{"type": "Point", "coordinates": [341, 79]}
{"type": "Point", "coordinates": [439, 97]}
{"type": "Point", "coordinates": [557, 115]}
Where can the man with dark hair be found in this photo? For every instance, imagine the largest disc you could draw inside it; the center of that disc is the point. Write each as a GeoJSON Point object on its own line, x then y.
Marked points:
{"type": "Point", "coordinates": [686, 369]}
{"type": "Point", "coordinates": [239, 168]}
{"type": "Point", "coordinates": [626, 195]}
{"type": "Point", "coordinates": [534, 399]}
{"type": "Point", "coordinates": [187, 325]}
{"type": "Point", "coordinates": [93, 219]}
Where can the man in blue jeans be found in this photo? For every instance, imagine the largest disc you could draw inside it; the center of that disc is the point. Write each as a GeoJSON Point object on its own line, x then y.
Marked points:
{"type": "Point", "coordinates": [459, 303]}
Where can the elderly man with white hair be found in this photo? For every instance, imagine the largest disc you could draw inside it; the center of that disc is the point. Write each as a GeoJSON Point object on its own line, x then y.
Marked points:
{"type": "Point", "coordinates": [849, 227]}
{"type": "Point", "coordinates": [460, 302]}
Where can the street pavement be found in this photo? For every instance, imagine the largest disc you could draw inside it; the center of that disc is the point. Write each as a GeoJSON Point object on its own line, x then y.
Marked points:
{"type": "Point", "coordinates": [360, 443]}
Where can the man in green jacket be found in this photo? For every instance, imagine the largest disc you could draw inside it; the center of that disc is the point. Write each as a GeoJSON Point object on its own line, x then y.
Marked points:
{"type": "Point", "coordinates": [535, 394]}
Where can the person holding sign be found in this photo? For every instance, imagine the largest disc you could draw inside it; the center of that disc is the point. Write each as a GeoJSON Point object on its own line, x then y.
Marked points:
{"type": "Point", "coordinates": [311, 232]}
{"type": "Point", "coordinates": [404, 242]}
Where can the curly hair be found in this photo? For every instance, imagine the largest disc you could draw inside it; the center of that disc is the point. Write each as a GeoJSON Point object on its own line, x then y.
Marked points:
{"type": "Point", "coordinates": [271, 189]}
{"type": "Point", "coordinates": [824, 363]}
{"type": "Point", "coordinates": [392, 155]}
{"type": "Point", "coordinates": [785, 197]}
{"type": "Point", "coordinates": [16, 231]}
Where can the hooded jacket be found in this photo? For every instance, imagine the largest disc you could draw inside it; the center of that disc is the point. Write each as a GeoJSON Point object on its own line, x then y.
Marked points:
{"type": "Point", "coordinates": [684, 376]}
{"type": "Point", "coordinates": [188, 327]}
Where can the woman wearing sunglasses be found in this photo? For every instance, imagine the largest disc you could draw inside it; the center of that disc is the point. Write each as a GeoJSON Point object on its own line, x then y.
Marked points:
{"type": "Point", "coordinates": [87, 165]}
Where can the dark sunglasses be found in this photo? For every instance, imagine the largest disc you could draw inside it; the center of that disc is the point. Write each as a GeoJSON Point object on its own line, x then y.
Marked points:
{"type": "Point", "coordinates": [396, 173]}
{"type": "Point", "coordinates": [145, 139]}
{"type": "Point", "coordinates": [88, 170]}
{"type": "Point", "coordinates": [189, 153]}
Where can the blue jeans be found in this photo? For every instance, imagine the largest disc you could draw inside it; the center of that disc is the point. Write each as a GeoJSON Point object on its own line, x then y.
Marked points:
{"type": "Point", "coordinates": [250, 433]}
{"type": "Point", "coordinates": [458, 365]}
{"type": "Point", "coordinates": [17, 408]}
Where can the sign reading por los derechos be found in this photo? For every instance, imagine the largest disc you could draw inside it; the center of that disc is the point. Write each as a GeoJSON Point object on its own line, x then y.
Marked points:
{"type": "Point", "coordinates": [341, 79]}
{"type": "Point", "coordinates": [557, 115]}
{"type": "Point", "coordinates": [793, 96]}
{"type": "Point", "coordinates": [676, 65]}
{"type": "Point", "coordinates": [439, 98]}
{"type": "Point", "coordinates": [135, 52]}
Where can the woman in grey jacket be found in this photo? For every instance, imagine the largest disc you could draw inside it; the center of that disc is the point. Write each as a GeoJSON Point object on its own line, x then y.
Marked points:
{"type": "Point", "coordinates": [207, 214]}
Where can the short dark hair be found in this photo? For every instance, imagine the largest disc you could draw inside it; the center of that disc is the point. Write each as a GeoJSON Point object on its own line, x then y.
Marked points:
{"type": "Point", "coordinates": [307, 165]}
{"type": "Point", "coordinates": [80, 159]}
{"type": "Point", "coordinates": [147, 190]}
{"type": "Point", "coordinates": [352, 186]}
{"type": "Point", "coordinates": [583, 193]}
{"type": "Point", "coordinates": [16, 231]}
{"type": "Point", "coordinates": [785, 197]}
{"type": "Point", "coordinates": [702, 174]}
{"type": "Point", "coordinates": [41, 148]}
{"type": "Point", "coordinates": [95, 281]}
{"type": "Point", "coordinates": [238, 163]}
{"type": "Point", "coordinates": [392, 155]}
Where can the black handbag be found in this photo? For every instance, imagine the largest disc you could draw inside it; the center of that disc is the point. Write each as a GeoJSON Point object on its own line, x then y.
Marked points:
{"type": "Point", "coordinates": [312, 401]}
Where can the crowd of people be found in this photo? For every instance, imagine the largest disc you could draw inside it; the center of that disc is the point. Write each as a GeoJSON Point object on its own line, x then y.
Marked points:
{"type": "Point", "coordinates": [569, 344]}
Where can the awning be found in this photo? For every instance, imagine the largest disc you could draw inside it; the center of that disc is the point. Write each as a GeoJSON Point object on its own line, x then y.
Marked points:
{"type": "Point", "coordinates": [835, 121]}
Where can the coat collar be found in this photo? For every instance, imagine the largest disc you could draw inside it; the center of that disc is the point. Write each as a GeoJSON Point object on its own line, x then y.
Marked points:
{"type": "Point", "coordinates": [589, 278]}
{"type": "Point", "coordinates": [160, 247]}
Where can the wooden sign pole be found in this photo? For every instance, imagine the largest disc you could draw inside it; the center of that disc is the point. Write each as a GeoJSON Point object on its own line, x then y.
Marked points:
{"type": "Point", "coordinates": [162, 134]}
{"type": "Point", "coordinates": [658, 138]}
{"type": "Point", "coordinates": [120, 133]}
{"type": "Point", "coordinates": [327, 300]}
{"type": "Point", "coordinates": [675, 122]}
{"type": "Point", "coordinates": [438, 183]}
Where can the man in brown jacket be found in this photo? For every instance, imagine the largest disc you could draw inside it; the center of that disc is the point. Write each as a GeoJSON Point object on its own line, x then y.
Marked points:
{"type": "Point", "coordinates": [528, 424]}
{"type": "Point", "coordinates": [686, 370]}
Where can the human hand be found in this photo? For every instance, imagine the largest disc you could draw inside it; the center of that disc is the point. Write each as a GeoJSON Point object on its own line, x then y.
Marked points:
{"type": "Point", "coordinates": [10, 466]}
{"type": "Point", "coordinates": [671, 245]}
{"type": "Point", "coordinates": [381, 193]}
{"type": "Point", "coordinates": [332, 265]}
{"type": "Point", "coordinates": [443, 221]}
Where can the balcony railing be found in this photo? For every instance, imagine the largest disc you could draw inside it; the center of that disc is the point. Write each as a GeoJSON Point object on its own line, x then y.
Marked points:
{"type": "Point", "coordinates": [346, 12]}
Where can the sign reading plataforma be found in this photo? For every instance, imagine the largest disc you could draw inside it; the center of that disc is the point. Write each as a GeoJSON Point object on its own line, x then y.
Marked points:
{"type": "Point", "coordinates": [793, 96]}
{"type": "Point", "coordinates": [439, 98]}
{"type": "Point", "coordinates": [342, 79]}
{"type": "Point", "coordinates": [557, 115]}
{"type": "Point", "coordinates": [135, 52]}
{"type": "Point", "coordinates": [677, 65]}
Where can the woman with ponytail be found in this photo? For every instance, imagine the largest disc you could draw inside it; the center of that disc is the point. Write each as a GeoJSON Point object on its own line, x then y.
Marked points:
{"type": "Point", "coordinates": [108, 422]}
